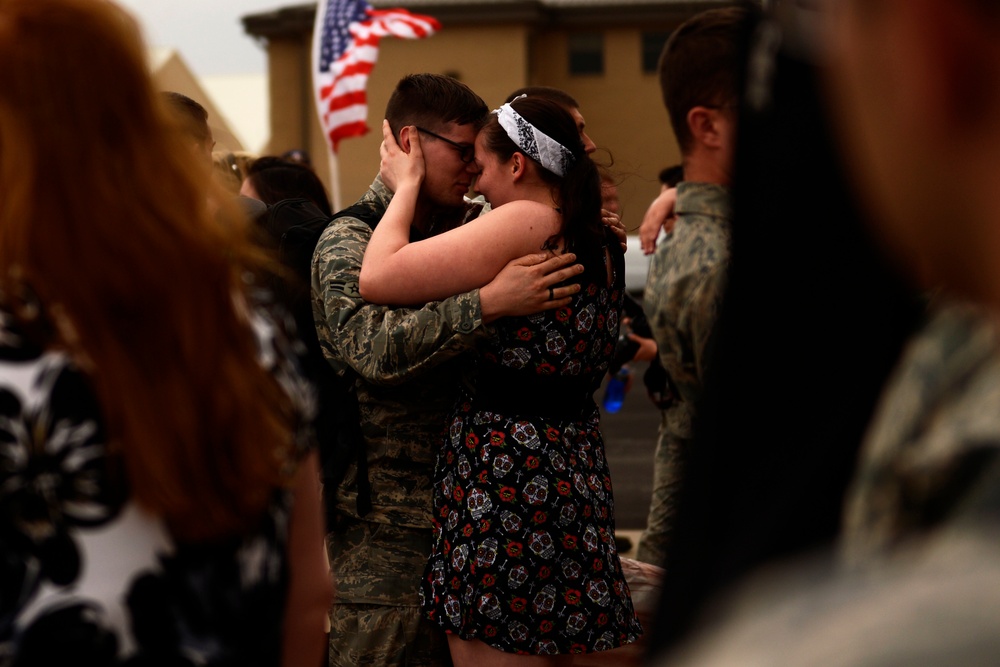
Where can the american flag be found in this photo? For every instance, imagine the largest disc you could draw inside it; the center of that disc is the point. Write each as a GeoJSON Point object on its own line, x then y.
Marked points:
{"type": "Point", "coordinates": [345, 48]}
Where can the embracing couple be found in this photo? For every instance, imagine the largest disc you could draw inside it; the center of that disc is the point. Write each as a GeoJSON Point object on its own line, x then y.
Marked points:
{"type": "Point", "coordinates": [475, 350]}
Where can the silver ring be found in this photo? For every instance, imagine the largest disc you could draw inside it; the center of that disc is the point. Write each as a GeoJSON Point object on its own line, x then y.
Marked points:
{"type": "Point", "coordinates": [552, 296]}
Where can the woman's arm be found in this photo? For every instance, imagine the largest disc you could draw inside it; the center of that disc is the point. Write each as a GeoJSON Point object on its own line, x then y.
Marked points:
{"type": "Point", "coordinates": [659, 215]}
{"type": "Point", "coordinates": [309, 588]}
{"type": "Point", "coordinates": [396, 271]}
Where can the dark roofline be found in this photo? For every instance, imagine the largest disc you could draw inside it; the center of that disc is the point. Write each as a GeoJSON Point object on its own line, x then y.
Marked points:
{"type": "Point", "coordinates": [293, 21]}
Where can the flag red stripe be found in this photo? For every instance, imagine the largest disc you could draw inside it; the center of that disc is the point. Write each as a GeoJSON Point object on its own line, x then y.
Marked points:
{"type": "Point", "coordinates": [355, 69]}
{"type": "Point", "coordinates": [406, 15]}
{"type": "Point", "coordinates": [357, 129]}
{"type": "Point", "coordinates": [342, 101]}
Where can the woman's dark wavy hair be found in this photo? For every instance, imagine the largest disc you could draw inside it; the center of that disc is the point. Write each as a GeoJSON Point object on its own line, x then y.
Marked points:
{"type": "Point", "coordinates": [579, 189]}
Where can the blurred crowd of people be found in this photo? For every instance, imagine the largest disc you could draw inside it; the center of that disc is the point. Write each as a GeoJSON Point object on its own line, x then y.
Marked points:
{"type": "Point", "coordinates": [239, 426]}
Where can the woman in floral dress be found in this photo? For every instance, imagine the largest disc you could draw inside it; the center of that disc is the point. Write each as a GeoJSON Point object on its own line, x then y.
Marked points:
{"type": "Point", "coordinates": [524, 560]}
{"type": "Point", "coordinates": [158, 495]}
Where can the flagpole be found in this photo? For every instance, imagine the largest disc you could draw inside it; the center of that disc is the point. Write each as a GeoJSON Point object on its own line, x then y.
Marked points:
{"type": "Point", "coordinates": [334, 184]}
{"type": "Point", "coordinates": [333, 166]}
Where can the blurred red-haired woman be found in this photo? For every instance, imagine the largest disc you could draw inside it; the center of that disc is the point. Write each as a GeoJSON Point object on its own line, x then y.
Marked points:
{"type": "Point", "coordinates": [152, 437]}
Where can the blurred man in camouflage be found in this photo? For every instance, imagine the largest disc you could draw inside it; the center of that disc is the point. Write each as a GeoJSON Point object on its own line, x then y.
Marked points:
{"type": "Point", "coordinates": [916, 92]}
{"type": "Point", "coordinates": [407, 365]}
{"type": "Point", "coordinates": [699, 71]}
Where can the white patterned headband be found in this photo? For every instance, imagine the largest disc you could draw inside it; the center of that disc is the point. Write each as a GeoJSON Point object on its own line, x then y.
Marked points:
{"type": "Point", "coordinates": [536, 144]}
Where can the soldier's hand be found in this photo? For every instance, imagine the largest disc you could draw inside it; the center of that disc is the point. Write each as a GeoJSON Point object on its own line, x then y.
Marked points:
{"type": "Point", "coordinates": [528, 285]}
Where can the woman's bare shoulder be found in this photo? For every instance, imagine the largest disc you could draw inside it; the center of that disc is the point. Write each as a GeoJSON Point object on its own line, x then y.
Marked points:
{"type": "Point", "coordinates": [528, 211]}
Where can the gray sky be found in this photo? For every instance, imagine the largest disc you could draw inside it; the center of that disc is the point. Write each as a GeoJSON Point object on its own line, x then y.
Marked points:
{"type": "Point", "coordinates": [208, 33]}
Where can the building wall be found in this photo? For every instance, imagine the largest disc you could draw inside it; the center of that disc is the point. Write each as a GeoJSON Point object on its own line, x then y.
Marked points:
{"type": "Point", "coordinates": [623, 109]}
{"type": "Point", "coordinates": [292, 110]}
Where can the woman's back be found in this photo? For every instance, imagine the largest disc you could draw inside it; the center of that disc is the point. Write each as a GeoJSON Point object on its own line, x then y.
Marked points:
{"type": "Point", "coordinates": [151, 422]}
{"type": "Point", "coordinates": [89, 577]}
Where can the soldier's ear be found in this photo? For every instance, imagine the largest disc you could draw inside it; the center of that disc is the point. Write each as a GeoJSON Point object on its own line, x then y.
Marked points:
{"type": "Point", "coordinates": [703, 125]}
{"type": "Point", "coordinates": [404, 137]}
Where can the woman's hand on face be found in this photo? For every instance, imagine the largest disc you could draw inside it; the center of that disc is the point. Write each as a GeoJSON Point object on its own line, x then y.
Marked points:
{"type": "Point", "coordinates": [399, 167]}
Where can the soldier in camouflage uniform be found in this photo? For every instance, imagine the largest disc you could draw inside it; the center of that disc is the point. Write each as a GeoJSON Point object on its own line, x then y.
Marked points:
{"type": "Point", "coordinates": [935, 432]}
{"type": "Point", "coordinates": [408, 366]}
{"type": "Point", "coordinates": [687, 273]}
{"type": "Point", "coordinates": [937, 427]}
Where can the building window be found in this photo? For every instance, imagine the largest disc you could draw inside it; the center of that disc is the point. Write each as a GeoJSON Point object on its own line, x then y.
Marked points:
{"type": "Point", "coordinates": [586, 53]}
{"type": "Point", "coordinates": [652, 47]}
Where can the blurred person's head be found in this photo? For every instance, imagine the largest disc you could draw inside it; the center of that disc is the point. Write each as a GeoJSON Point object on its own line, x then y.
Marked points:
{"type": "Point", "coordinates": [271, 179]}
{"type": "Point", "coordinates": [106, 235]}
{"type": "Point", "coordinates": [298, 155]}
{"type": "Point", "coordinates": [448, 115]}
{"type": "Point", "coordinates": [193, 118]}
{"type": "Point", "coordinates": [699, 73]}
{"type": "Point", "coordinates": [915, 93]}
{"type": "Point", "coordinates": [670, 176]}
{"type": "Point", "coordinates": [563, 99]}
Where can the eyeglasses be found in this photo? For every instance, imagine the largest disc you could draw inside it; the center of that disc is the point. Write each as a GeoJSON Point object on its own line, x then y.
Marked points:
{"type": "Point", "coordinates": [466, 152]}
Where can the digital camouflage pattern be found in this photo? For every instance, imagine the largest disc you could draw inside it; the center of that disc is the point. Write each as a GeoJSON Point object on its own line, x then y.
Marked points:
{"type": "Point", "coordinates": [377, 635]}
{"type": "Point", "coordinates": [684, 289]}
{"type": "Point", "coordinates": [409, 366]}
{"type": "Point", "coordinates": [371, 629]}
{"type": "Point", "coordinates": [937, 428]}
{"type": "Point", "coordinates": [669, 460]}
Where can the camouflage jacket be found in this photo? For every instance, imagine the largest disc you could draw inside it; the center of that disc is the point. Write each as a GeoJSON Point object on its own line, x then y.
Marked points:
{"type": "Point", "coordinates": [683, 292]}
{"type": "Point", "coordinates": [935, 431]}
{"type": "Point", "coordinates": [408, 364]}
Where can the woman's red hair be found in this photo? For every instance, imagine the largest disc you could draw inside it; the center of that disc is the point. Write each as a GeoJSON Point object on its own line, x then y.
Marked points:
{"type": "Point", "coordinates": [104, 216]}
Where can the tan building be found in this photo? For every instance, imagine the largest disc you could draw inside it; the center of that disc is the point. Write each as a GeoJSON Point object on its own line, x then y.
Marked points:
{"type": "Point", "coordinates": [603, 52]}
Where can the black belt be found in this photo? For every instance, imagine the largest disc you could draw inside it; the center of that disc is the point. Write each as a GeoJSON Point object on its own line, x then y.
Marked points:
{"type": "Point", "coordinates": [512, 392]}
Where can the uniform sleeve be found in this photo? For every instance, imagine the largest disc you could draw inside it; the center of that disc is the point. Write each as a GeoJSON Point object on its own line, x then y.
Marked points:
{"type": "Point", "coordinates": [683, 293]}
{"type": "Point", "coordinates": [384, 344]}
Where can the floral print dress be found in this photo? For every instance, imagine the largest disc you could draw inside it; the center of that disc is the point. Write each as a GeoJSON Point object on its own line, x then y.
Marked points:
{"type": "Point", "coordinates": [89, 578]}
{"type": "Point", "coordinates": [524, 556]}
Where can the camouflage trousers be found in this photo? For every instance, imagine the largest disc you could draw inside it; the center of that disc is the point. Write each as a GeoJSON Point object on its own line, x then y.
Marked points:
{"type": "Point", "coordinates": [371, 635]}
{"type": "Point", "coordinates": [376, 618]}
{"type": "Point", "coordinates": [668, 466]}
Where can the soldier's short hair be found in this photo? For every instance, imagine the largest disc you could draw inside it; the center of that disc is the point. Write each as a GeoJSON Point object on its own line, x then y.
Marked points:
{"type": "Point", "coordinates": [431, 101]}
{"type": "Point", "coordinates": [700, 65]}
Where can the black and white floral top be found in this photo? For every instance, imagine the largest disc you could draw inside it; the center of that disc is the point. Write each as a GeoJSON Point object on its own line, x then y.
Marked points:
{"type": "Point", "coordinates": [89, 578]}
